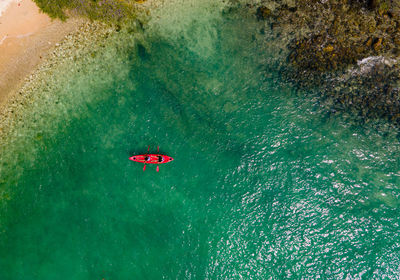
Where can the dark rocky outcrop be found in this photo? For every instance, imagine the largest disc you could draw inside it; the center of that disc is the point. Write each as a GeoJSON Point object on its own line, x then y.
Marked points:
{"type": "Point", "coordinates": [349, 49]}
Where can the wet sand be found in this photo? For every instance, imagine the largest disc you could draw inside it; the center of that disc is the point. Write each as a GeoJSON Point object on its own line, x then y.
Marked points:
{"type": "Point", "coordinates": [26, 37]}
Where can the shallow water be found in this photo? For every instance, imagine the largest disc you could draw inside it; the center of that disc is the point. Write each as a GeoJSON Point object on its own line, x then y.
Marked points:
{"type": "Point", "coordinates": [264, 183]}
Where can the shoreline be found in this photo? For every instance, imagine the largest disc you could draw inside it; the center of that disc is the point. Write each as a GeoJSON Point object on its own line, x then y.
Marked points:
{"type": "Point", "coordinates": [76, 45]}
{"type": "Point", "coordinates": [27, 36]}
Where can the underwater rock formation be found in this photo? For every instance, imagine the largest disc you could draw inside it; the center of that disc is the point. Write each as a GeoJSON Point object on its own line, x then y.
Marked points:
{"type": "Point", "coordinates": [332, 42]}
{"type": "Point", "coordinates": [336, 33]}
{"type": "Point", "coordinates": [369, 89]}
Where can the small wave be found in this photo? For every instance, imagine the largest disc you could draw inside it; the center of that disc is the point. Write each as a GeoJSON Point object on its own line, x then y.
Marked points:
{"type": "Point", "coordinates": [19, 36]}
{"type": "Point", "coordinates": [2, 39]}
{"type": "Point", "coordinates": [365, 65]}
{"type": "Point", "coordinates": [373, 60]}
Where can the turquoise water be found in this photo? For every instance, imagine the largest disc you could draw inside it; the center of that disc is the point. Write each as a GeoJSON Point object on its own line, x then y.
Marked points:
{"type": "Point", "coordinates": [264, 184]}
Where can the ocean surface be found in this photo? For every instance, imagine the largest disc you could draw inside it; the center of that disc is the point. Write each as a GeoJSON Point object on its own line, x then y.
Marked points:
{"type": "Point", "coordinates": [265, 183]}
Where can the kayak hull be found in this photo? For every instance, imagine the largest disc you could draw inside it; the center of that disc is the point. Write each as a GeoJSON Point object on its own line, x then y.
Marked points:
{"type": "Point", "coordinates": [151, 158]}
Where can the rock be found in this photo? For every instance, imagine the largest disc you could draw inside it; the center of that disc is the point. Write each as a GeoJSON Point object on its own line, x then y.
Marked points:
{"type": "Point", "coordinates": [328, 49]}
{"type": "Point", "coordinates": [397, 40]}
{"type": "Point", "coordinates": [383, 9]}
{"type": "Point", "coordinates": [263, 13]}
{"type": "Point", "coordinates": [378, 44]}
{"type": "Point", "coordinates": [373, 4]}
{"type": "Point", "coordinates": [369, 42]}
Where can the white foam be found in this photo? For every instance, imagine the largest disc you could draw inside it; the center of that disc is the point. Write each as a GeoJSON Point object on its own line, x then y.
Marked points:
{"type": "Point", "coordinates": [2, 39]}
{"type": "Point", "coordinates": [372, 60]}
{"type": "Point", "coordinates": [365, 65]}
{"type": "Point", "coordinates": [16, 36]}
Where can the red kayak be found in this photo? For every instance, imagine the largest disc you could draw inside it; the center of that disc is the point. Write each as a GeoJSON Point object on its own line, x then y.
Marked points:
{"type": "Point", "coordinates": [151, 159]}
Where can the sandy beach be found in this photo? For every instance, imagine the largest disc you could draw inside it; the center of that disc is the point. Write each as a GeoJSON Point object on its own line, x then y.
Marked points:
{"type": "Point", "coordinates": [26, 37]}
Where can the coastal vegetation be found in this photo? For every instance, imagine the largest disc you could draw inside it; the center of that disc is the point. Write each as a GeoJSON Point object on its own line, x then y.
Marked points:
{"type": "Point", "coordinates": [105, 10]}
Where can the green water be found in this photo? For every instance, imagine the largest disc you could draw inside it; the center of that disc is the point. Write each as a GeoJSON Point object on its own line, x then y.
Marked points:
{"type": "Point", "coordinates": [264, 183]}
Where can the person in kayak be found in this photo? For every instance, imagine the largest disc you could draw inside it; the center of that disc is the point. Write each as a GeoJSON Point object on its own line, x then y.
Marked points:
{"type": "Point", "coordinates": [146, 158]}
{"type": "Point", "coordinates": [160, 159]}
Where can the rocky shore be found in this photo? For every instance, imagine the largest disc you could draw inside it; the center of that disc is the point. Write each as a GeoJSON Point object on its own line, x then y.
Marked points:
{"type": "Point", "coordinates": [349, 49]}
